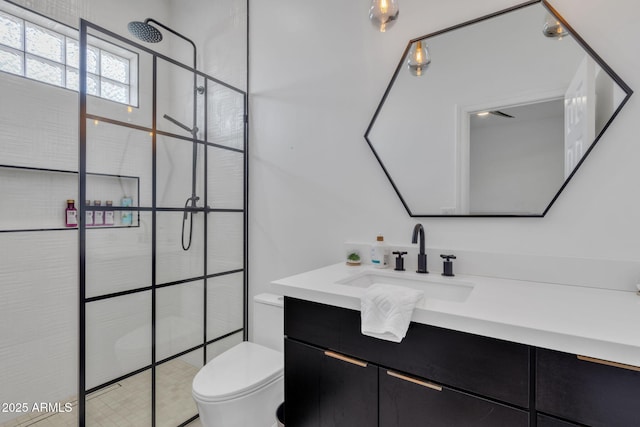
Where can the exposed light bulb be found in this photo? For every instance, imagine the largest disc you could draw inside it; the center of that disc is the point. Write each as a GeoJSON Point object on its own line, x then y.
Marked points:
{"type": "Point", "coordinates": [483, 114]}
{"type": "Point", "coordinates": [383, 13]}
{"type": "Point", "coordinates": [553, 28]}
{"type": "Point", "coordinates": [419, 58]}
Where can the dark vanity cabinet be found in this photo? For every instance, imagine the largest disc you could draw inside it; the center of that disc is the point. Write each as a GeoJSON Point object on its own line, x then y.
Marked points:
{"type": "Point", "coordinates": [335, 376]}
{"type": "Point", "coordinates": [587, 391]}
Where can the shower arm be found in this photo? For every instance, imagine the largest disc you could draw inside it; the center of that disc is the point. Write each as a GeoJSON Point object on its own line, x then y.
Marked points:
{"type": "Point", "coordinates": [146, 21]}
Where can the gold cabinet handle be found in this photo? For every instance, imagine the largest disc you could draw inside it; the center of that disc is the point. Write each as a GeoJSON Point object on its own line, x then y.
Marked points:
{"type": "Point", "coordinates": [608, 363]}
{"type": "Point", "coordinates": [415, 381]}
{"type": "Point", "coordinates": [345, 358]}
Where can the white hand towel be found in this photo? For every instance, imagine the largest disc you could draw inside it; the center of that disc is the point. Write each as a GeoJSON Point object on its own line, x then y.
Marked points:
{"type": "Point", "coordinates": [386, 311]}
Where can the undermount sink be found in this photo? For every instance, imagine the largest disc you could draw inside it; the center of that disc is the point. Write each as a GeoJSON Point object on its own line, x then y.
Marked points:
{"type": "Point", "coordinates": [434, 287]}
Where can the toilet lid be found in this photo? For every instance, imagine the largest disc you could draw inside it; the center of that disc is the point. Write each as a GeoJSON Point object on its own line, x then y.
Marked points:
{"type": "Point", "coordinates": [237, 372]}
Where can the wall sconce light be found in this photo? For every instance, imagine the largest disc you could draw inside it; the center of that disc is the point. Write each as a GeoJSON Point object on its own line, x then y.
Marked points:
{"type": "Point", "coordinates": [419, 58]}
{"type": "Point", "coordinates": [553, 28]}
{"type": "Point", "coordinates": [383, 13]}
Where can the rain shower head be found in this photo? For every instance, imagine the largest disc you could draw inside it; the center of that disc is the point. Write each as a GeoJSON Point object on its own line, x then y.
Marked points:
{"type": "Point", "coordinates": [145, 31]}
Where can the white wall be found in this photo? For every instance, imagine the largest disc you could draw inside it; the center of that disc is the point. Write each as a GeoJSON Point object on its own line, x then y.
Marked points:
{"type": "Point", "coordinates": [516, 167]}
{"type": "Point", "coordinates": [318, 71]}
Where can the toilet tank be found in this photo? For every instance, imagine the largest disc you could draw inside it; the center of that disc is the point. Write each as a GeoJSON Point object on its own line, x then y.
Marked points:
{"type": "Point", "coordinates": [268, 321]}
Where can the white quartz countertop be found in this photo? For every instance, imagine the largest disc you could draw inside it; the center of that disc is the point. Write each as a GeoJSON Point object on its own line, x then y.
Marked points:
{"type": "Point", "coordinates": [593, 322]}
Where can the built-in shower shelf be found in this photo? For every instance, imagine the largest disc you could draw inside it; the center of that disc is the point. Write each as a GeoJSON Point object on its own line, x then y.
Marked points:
{"type": "Point", "coordinates": [35, 199]}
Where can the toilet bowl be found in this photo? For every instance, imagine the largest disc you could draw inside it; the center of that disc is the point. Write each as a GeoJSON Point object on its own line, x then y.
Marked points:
{"type": "Point", "coordinates": [243, 386]}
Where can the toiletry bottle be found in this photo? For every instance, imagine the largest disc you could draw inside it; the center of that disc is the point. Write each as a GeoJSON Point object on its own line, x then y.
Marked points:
{"type": "Point", "coordinates": [71, 214]}
{"type": "Point", "coordinates": [380, 253]}
{"type": "Point", "coordinates": [109, 214]}
{"type": "Point", "coordinates": [126, 216]}
{"type": "Point", "coordinates": [88, 213]}
{"type": "Point", "coordinates": [98, 215]}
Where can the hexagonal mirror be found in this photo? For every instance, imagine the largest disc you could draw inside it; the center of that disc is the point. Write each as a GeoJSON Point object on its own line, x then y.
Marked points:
{"type": "Point", "coordinates": [494, 116]}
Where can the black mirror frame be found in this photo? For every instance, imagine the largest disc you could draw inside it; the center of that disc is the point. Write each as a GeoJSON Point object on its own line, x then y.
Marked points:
{"type": "Point", "coordinates": [580, 42]}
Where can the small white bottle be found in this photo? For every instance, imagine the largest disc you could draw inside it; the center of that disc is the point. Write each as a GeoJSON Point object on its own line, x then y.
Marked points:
{"type": "Point", "coordinates": [380, 253]}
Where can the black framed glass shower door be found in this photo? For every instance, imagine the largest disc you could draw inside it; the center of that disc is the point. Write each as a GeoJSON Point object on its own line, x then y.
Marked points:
{"type": "Point", "coordinates": [162, 289]}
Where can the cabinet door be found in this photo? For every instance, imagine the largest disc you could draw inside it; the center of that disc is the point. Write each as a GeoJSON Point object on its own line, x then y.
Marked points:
{"type": "Point", "coordinates": [546, 421]}
{"type": "Point", "coordinates": [409, 402]}
{"type": "Point", "coordinates": [587, 391]}
{"type": "Point", "coordinates": [326, 389]}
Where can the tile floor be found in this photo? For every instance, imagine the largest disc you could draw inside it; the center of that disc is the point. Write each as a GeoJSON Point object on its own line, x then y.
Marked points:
{"type": "Point", "coordinates": [128, 402]}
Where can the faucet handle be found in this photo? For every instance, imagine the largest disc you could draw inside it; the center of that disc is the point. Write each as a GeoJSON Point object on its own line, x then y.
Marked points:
{"type": "Point", "coordinates": [399, 260]}
{"type": "Point", "coordinates": [447, 268]}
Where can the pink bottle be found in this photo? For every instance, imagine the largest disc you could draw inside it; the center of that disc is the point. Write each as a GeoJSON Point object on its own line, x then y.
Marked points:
{"type": "Point", "coordinates": [71, 214]}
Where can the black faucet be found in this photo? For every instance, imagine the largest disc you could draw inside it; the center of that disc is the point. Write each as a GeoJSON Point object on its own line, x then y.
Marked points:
{"type": "Point", "coordinates": [422, 257]}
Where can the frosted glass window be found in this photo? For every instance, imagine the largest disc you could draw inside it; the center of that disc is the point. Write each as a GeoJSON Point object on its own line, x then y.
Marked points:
{"type": "Point", "coordinates": [73, 79]}
{"type": "Point", "coordinates": [93, 85]}
{"type": "Point", "coordinates": [54, 58]}
{"type": "Point", "coordinates": [73, 53]}
{"type": "Point", "coordinates": [93, 59]}
{"type": "Point", "coordinates": [45, 71]}
{"type": "Point", "coordinates": [44, 43]}
{"type": "Point", "coordinates": [73, 56]}
{"type": "Point", "coordinates": [11, 31]}
{"type": "Point", "coordinates": [115, 91]}
{"type": "Point", "coordinates": [11, 61]}
{"type": "Point", "coordinates": [114, 67]}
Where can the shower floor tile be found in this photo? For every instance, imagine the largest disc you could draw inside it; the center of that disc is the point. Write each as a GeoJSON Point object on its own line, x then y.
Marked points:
{"type": "Point", "coordinates": [128, 402]}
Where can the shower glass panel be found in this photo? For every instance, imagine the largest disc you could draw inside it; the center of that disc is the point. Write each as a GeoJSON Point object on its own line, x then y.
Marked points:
{"type": "Point", "coordinates": [225, 248]}
{"type": "Point", "coordinates": [224, 295]}
{"type": "Point", "coordinates": [163, 282]}
{"type": "Point", "coordinates": [173, 389]}
{"type": "Point", "coordinates": [112, 270]}
{"type": "Point", "coordinates": [179, 318]}
{"type": "Point", "coordinates": [174, 159]}
{"type": "Point", "coordinates": [126, 403]}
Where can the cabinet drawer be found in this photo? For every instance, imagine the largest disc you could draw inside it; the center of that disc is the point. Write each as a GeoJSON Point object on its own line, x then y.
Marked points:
{"type": "Point", "coordinates": [493, 368]}
{"type": "Point", "coordinates": [409, 402]}
{"type": "Point", "coordinates": [586, 391]}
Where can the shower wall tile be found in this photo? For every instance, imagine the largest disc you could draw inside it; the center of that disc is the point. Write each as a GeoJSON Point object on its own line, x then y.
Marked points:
{"type": "Point", "coordinates": [34, 131]}
{"type": "Point", "coordinates": [38, 316]}
{"type": "Point", "coordinates": [33, 199]}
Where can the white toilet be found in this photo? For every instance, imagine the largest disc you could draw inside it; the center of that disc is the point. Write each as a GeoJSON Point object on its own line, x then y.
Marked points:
{"type": "Point", "coordinates": [243, 386]}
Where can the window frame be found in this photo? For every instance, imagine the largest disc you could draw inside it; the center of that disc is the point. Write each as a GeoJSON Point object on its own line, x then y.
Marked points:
{"type": "Point", "coordinates": [67, 33]}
